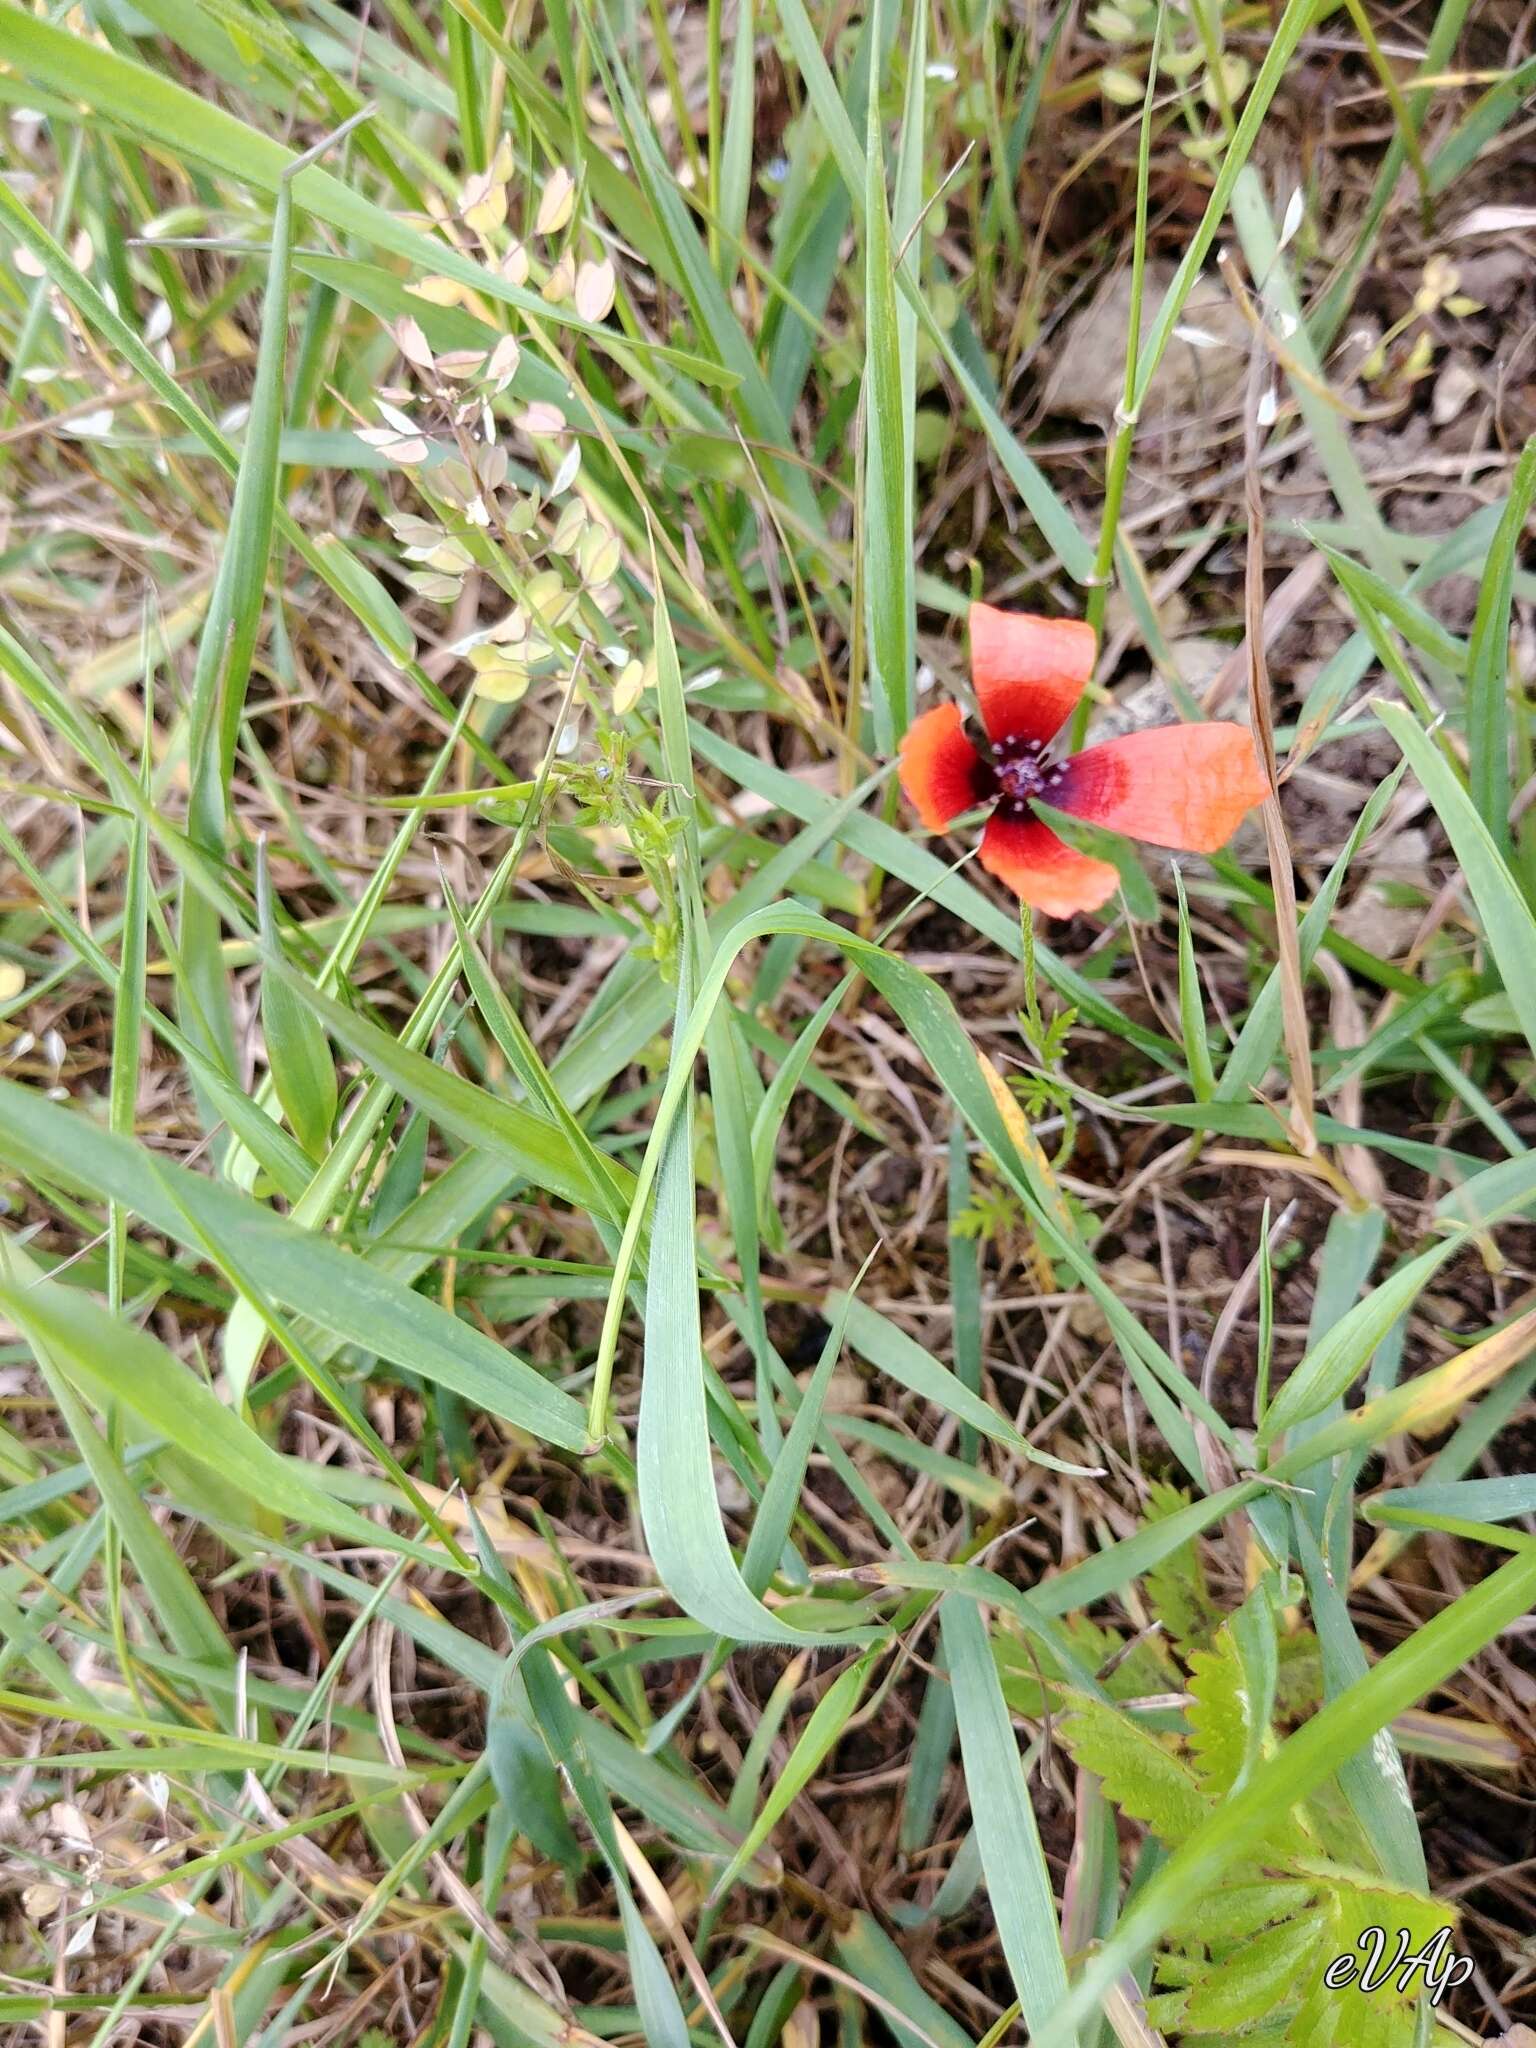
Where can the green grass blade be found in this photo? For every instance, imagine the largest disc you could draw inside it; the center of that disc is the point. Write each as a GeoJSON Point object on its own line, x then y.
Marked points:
{"type": "Point", "coordinates": [904, 1360]}
{"type": "Point", "coordinates": [107, 1360]}
{"type": "Point", "coordinates": [865, 1949]}
{"type": "Point", "coordinates": [1374, 597]}
{"type": "Point", "coordinates": [1488, 679]}
{"type": "Point", "coordinates": [1018, 1881]}
{"type": "Point", "coordinates": [964, 1279]}
{"type": "Point", "coordinates": [1259, 1039]}
{"type": "Point", "coordinates": [363, 1304]}
{"type": "Point", "coordinates": [820, 1735]}
{"type": "Point", "coordinates": [1197, 1046]}
{"type": "Point", "coordinates": [1373, 1778]}
{"type": "Point", "coordinates": [1344, 1349]}
{"type": "Point", "coordinates": [181, 1609]}
{"type": "Point", "coordinates": [531, 1145]}
{"type": "Point", "coordinates": [1477, 1500]}
{"type": "Point", "coordinates": [128, 1031]}
{"type": "Point", "coordinates": [1508, 922]}
{"type": "Point", "coordinates": [1478, 127]}
{"type": "Point", "coordinates": [887, 527]}
{"type": "Point", "coordinates": [298, 1057]}
{"type": "Point", "coordinates": [522, 1055]}
{"type": "Point", "coordinates": [1293, 24]}
{"type": "Point", "coordinates": [1046, 508]}
{"type": "Point", "coordinates": [678, 1506]}
{"type": "Point", "coordinates": [776, 1510]}
{"type": "Point", "coordinates": [735, 177]}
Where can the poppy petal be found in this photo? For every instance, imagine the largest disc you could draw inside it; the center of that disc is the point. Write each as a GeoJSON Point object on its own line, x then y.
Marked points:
{"type": "Point", "coordinates": [1185, 786]}
{"type": "Point", "coordinates": [939, 767]}
{"type": "Point", "coordinates": [1028, 672]}
{"type": "Point", "coordinates": [1042, 870]}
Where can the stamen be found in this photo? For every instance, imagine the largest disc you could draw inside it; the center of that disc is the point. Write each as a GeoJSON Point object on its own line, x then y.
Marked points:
{"type": "Point", "coordinates": [1021, 772]}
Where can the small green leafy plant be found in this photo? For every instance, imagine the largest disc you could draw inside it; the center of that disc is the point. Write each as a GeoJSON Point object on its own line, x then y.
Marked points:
{"type": "Point", "coordinates": [1247, 1962]}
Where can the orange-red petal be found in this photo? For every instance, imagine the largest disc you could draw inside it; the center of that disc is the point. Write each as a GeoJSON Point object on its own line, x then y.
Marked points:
{"type": "Point", "coordinates": [1186, 786]}
{"type": "Point", "coordinates": [938, 766]}
{"type": "Point", "coordinates": [1042, 869]}
{"type": "Point", "coordinates": [1028, 672]}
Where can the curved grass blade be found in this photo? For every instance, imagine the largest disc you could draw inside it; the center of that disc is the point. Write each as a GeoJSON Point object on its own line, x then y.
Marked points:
{"type": "Point", "coordinates": [1018, 1882]}
{"type": "Point", "coordinates": [109, 1360]}
{"type": "Point", "coordinates": [1344, 1349]}
{"type": "Point", "coordinates": [1507, 918]}
{"type": "Point", "coordinates": [177, 1604]}
{"type": "Point", "coordinates": [1373, 1780]}
{"type": "Point", "coordinates": [362, 1304]}
{"type": "Point", "coordinates": [678, 1506]}
{"type": "Point", "coordinates": [1488, 679]}
{"type": "Point", "coordinates": [776, 1510]}
{"type": "Point", "coordinates": [868, 1953]}
{"type": "Point", "coordinates": [821, 1733]}
{"type": "Point", "coordinates": [1249, 1059]}
{"type": "Point", "coordinates": [298, 1057]}
{"type": "Point", "coordinates": [1470, 1500]}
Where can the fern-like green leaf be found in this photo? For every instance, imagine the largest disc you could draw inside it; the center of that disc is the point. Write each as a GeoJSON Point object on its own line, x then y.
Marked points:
{"type": "Point", "coordinates": [1361, 1900]}
{"type": "Point", "coordinates": [1300, 1686]}
{"type": "Point", "coordinates": [1348, 2019]}
{"type": "Point", "coordinates": [1270, 1968]}
{"type": "Point", "coordinates": [1219, 1718]}
{"type": "Point", "coordinates": [1141, 1775]}
{"type": "Point", "coordinates": [1236, 1911]}
{"type": "Point", "coordinates": [1276, 2035]}
{"type": "Point", "coordinates": [1176, 1588]}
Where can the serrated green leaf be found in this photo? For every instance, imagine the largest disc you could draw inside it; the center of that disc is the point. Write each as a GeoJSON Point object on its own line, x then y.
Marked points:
{"type": "Point", "coordinates": [1218, 1715]}
{"type": "Point", "coordinates": [1238, 1910]}
{"type": "Point", "coordinates": [1272, 1966]}
{"type": "Point", "coordinates": [1175, 1582]}
{"type": "Point", "coordinates": [1141, 1774]}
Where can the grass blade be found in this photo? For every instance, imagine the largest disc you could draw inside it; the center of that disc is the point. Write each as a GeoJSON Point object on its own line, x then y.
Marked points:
{"type": "Point", "coordinates": [1018, 1882]}
{"type": "Point", "coordinates": [361, 1303]}
{"type": "Point", "coordinates": [678, 1506]}
{"type": "Point", "coordinates": [1507, 919]}
{"type": "Point", "coordinates": [888, 598]}
{"type": "Point", "coordinates": [1488, 659]}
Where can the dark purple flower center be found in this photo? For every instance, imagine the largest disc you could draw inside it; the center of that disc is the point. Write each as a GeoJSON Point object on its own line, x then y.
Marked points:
{"type": "Point", "coordinates": [1021, 772]}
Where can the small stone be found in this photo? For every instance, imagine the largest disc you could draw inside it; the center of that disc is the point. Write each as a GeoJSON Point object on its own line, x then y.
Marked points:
{"type": "Point", "coordinates": [846, 1392]}
{"type": "Point", "coordinates": [1455, 387]}
{"type": "Point", "coordinates": [1443, 1309]}
{"type": "Point", "coordinates": [1123, 1273]}
{"type": "Point", "coordinates": [733, 1497]}
{"type": "Point", "coordinates": [1087, 378]}
{"type": "Point", "coordinates": [1373, 918]}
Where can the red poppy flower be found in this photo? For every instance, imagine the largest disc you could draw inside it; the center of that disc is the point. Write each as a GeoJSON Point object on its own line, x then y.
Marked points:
{"type": "Point", "coordinates": [1185, 786]}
